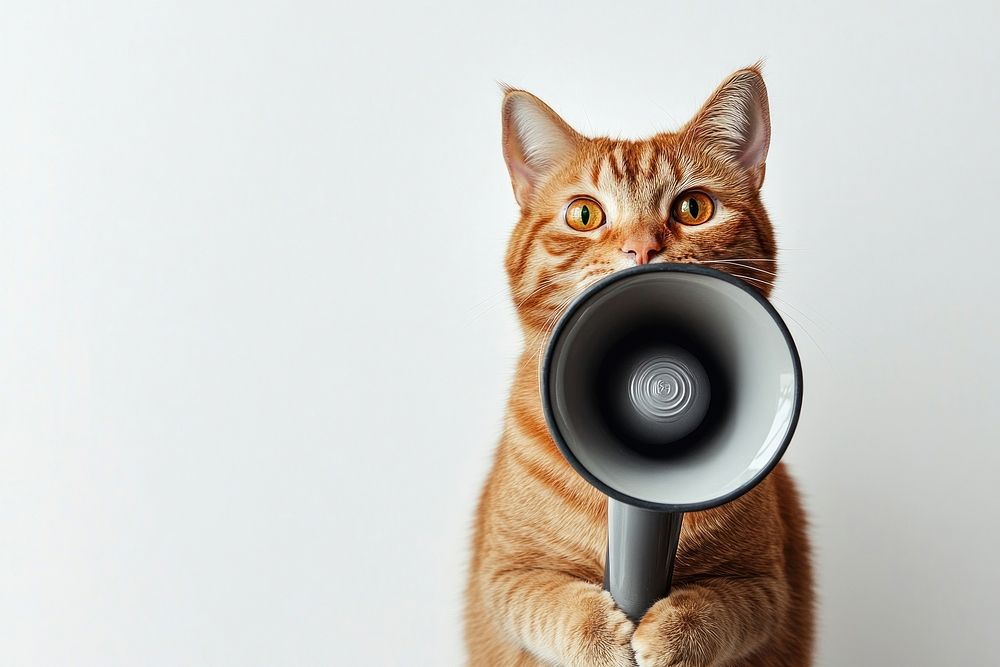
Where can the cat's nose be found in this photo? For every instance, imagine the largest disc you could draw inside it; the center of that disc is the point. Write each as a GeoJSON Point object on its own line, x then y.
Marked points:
{"type": "Point", "coordinates": [641, 249]}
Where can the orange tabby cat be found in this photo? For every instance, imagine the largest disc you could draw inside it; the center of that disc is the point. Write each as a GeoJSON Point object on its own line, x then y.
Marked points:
{"type": "Point", "coordinates": [742, 592]}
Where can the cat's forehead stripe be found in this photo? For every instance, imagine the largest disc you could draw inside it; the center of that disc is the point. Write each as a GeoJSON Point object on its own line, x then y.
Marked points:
{"type": "Point", "coordinates": [676, 166]}
{"type": "Point", "coordinates": [616, 169]}
{"type": "Point", "coordinates": [630, 162]}
{"type": "Point", "coordinates": [652, 160]}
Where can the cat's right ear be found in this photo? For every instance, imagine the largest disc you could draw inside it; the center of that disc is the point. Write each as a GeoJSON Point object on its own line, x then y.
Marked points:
{"type": "Point", "coordinates": [535, 140]}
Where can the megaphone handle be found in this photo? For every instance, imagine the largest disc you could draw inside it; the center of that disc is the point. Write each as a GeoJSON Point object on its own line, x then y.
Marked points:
{"type": "Point", "coordinates": [642, 545]}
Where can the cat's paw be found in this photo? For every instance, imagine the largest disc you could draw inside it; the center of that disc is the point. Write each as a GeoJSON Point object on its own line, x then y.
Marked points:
{"type": "Point", "coordinates": [678, 631]}
{"type": "Point", "coordinates": [603, 633]}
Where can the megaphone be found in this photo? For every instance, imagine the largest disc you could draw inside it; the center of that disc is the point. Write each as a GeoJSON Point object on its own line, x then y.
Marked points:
{"type": "Point", "coordinates": [671, 388]}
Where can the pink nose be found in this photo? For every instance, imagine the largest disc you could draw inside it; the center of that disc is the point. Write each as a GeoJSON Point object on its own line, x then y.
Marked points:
{"type": "Point", "coordinates": [641, 249]}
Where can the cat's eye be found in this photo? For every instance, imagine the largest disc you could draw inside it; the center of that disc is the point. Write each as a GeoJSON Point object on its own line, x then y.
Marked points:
{"type": "Point", "coordinates": [584, 214]}
{"type": "Point", "coordinates": [693, 208]}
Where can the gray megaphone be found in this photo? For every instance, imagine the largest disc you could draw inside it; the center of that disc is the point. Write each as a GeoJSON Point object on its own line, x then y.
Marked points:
{"type": "Point", "coordinates": [671, 388]}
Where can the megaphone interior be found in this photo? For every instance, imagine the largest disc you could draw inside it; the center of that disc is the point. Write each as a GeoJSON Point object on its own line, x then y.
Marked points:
{"type": "Point", "coordinates": [671, 388]}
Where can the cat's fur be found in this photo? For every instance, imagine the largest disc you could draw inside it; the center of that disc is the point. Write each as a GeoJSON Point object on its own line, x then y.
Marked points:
{"type": "Point", "coordinates": [742, 591]}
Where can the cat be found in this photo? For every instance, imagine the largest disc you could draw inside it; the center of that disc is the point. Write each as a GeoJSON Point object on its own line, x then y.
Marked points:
{"type": "Point", "coordinates": [742, 592]}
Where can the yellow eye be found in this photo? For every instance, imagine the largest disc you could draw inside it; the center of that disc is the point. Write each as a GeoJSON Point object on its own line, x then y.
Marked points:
{"type": "Point", "coordinates": [584, 214]}
{"type": "Point", "coordinates": [693, 208]}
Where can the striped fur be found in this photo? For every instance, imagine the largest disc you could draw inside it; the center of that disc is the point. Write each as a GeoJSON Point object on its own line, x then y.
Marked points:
{"type": "Point", "coordinates": [743, 587]}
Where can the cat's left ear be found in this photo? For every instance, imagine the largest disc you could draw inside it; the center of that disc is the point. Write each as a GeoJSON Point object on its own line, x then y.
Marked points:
{"type": "Point", "coordinates": [736, 120]}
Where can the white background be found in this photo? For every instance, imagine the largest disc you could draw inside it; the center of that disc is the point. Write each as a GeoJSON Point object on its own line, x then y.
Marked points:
{"type": "Point", "coordinates": [254, 339]}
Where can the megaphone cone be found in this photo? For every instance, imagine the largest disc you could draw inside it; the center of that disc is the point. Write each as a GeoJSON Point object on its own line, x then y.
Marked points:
{"type": "Point", "coordinates": [671, 388]}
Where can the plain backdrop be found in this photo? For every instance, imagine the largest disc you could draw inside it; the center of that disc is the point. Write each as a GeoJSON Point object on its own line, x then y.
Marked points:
{"type": "Point", "coordinates": [255, 339]}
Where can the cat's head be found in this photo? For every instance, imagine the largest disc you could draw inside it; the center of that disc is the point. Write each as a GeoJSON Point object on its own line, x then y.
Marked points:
{"type": "Point", "coordinates": [591, 206]}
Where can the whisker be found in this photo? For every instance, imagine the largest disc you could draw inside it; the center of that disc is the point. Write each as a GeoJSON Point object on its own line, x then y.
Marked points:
{"type": "Point", "coordinates": [785, 312]}
{"type": "Point", "coordinates": [546, 329]}
{"type": "Point", "coordinates": [497, 303]}
{"type": "Point", "coordinates": [799, 311]}
{"type": "Point", "coordinates": [743, 259]}
{"type": "Point", "coordinates": [542, 284]}
{"type": "Point", "coordinates": [735, 263]}
{"type": "Point", "coordinates": [756, 280]}
{"type": "Point", "coordinates": [805, 331]}
{"type": "Point", "coordinates": [490, 303]}
{"type": "Point", "coordinates": [487, 300]}
{"type": "Point", "coordinates": [776, 298]}
{"type": "Point", "coordinates": [550, 322]}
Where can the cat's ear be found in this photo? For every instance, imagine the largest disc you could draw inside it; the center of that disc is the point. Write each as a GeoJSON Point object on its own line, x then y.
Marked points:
{"type": "Point", "coordinates": [535, 140]}
{"type": "Point", "coordinates": [736, 120]}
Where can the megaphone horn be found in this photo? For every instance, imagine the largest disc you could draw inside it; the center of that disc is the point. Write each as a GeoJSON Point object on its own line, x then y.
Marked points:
{"type": "Point", "coordinates": [671, 388]}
